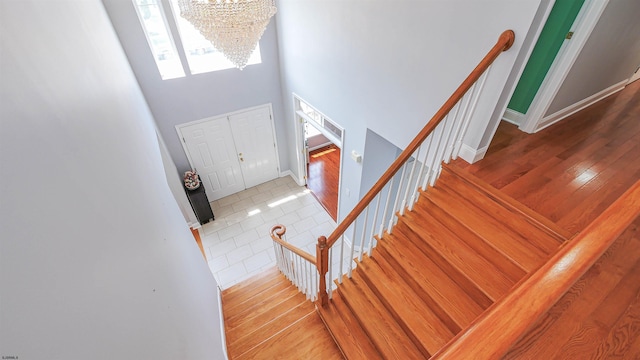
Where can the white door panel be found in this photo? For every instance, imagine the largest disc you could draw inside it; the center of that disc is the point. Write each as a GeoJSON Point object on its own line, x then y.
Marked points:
{"type": "Point", "coordinates": [213, 155]}
{"type": "Point", "coordinates": [253, 135]}
{"type": "Point", "coordinates": [232, 153]}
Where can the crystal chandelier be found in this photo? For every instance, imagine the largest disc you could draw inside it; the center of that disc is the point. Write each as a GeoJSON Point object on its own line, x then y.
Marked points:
{"type": "Point", "coordinates": [234, 27]}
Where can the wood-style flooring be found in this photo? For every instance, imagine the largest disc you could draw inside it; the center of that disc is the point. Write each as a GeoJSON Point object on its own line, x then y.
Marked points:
{"type": "Point", "coordinates": [599, 317]}
{"type": "Point", "coordinates": [573, 170]}
{"type": "Point", "coordinates": [323, 175]}
{"type": "Point", "coordinates": [569, 173]}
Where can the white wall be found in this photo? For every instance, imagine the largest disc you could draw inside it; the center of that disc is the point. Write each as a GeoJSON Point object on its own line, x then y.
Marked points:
{"type": "Point", "coordinates": [609, 57]}
{"type": "Point", "coordinates": [176, 185]}
{"type": "Point", "coordinates": [96, 261]}
{"type": "Point", "coordinates": [380, 155]}
{"type": "Point", "coordinates": [195, 97]}
{"type": "Point", "coordinates": [388, 66]}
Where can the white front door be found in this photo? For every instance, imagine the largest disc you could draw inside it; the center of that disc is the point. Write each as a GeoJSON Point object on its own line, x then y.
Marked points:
{"type": "Point", "coordinates": [255, 144]}
{"type": "Point", "coordinates": [213, 155]}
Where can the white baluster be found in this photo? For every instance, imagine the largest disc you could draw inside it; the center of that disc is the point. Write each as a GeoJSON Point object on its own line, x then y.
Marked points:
{"type": "Point", "coordinates": [353, 245]}
{"type": "Point", "coordinates": [410, 181]}
{"type": "Point", "coordinates": [364, 231]}
{"type": "Point", "coordinates": [483, 79]}
{"type": "Point", "coordinates": [437, 155]}
{"type": "Point", "coordinates": [373, 225]}
{"type": "Point", "coordinates": [329, 287]}
{"type": "Point", "coordinates": [386, 208]}
{"type": "Point", "coordinates": [395, 204]}
{"type": "Point", "coordinates": [450, 138]}
{"type": "Point", "coordinates": [340, 271]}
{"type": "Point", "coordinates": [416, 189]}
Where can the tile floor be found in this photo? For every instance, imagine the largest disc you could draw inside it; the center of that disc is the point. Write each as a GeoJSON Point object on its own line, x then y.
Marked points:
{"type": "Point", "coordinates": [237, 243]}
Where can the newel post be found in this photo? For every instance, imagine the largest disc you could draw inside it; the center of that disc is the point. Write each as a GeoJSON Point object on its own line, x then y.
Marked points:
{"type": "Point", "coordinates": [322, 262]}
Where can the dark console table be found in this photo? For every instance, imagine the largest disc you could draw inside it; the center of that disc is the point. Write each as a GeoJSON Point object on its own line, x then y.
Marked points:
{"type": "Point", "coordinates": [200, 204]}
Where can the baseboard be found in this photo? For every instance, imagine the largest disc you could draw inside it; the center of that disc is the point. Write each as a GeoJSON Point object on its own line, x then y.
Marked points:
{"type": "Point", "coordinates": [290, 173]}
{"type": "Point", "coordinates": [513, 117]}
{"type": "Point", "coordinates": [471, 155]}
{"type": "Point", "coordinates": [222, 331]}
{"type": "Point", "coordinates": [572, 109]}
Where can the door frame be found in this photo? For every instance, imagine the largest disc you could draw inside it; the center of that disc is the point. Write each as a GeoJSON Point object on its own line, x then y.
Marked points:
{"type": "Point", "coordinates": [585, 22]}
{"type": "Point", "coordinates": [227, 115]}
{"type": "Point", "coordinates": [301, 150]}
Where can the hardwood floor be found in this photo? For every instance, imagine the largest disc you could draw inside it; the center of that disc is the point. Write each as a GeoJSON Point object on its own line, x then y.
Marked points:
{"type": "Point", "coordinates": [573, 170]}
{"type": "Point", "coordinates": [599, 317]}
{"type": "Point", "coordinates": [323, 175]}
{"type": "Point", "coordinates": [569, 173]}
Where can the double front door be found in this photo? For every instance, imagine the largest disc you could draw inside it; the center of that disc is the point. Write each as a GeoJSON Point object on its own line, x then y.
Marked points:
{"type": "Point", "coordinates": [232, 153]}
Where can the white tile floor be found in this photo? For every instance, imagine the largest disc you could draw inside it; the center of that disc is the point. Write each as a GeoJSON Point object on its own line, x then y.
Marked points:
{"type": "Point", "coordinates": [237, 243]}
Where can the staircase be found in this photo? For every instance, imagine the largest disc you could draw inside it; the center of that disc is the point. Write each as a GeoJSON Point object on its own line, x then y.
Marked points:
{"type": "Point", "coordinates": [455, 271]}
{"type": "Point", "coordinates": [462, 247]}
{"type": "Point", "coordinates": [266, 317]}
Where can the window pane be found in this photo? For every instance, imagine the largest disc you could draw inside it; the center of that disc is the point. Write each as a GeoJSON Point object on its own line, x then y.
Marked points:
{"type": "Point", "coordinates": [201, 55]}
{"type": "Point", "coordinates": [308, 110]}
{"type": "Point", "coordinates": [160, 42]}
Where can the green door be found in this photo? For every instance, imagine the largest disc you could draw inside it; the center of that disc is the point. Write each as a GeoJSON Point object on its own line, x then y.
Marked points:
{"type": "Point", "coordinates": [561, 18]}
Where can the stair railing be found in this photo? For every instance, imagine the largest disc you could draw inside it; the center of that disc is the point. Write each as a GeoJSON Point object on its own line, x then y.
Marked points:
{"type": "Point", "coordinates": [297, 265]}
{"type": "Point", "coordinates": [507, 320]}
{"type": "Point", "coordinates": [416, 168]}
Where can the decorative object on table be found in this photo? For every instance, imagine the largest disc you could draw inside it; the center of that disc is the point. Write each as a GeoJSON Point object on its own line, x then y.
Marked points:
{"type": "Point", "coordinates": [191, 180]}
{"type": "Point", "coordinates": [234, 27]}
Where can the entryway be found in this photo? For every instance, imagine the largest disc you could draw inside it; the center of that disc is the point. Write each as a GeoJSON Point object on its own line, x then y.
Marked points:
{"type": "Point", "coordinates": [323, 171]}
{"type": "Point", "coordinates": [232, 152]}
{"type": "Point", "coordinates": [320, 140]}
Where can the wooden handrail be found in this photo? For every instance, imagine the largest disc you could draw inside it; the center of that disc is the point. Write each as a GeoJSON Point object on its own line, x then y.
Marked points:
{"type": "Point", "coordinates": [495, 332]}
{"type": "Point", "coordinates": [504, 43]}
{"type": "Point", "coordinates": [277, 231]}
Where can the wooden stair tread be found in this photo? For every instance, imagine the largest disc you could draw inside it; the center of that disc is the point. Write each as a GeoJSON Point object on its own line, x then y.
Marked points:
{"type": "Point", "coordinates": [547, 225]}
{"type": "Point", "coordinates": [453, 275]}
{"type": "Point", "coordinates": [298, 341]}
{"type": "Point", "coordinates": [385, 333]}
{"type": "Point", "coordinates": [527, 256]}
{"type": "Point", "coordinates": [257, 333]}
{"type": "Point", "coordinates": [270, 322]}
{"type": "Point", "coordinates": [422, 325]}
{"type": "Point", "coordinates": [346, 331]}
{"type": "Point", "coordinates": [512, 220]}
{"type": "Point", "coordinates": [252, 286]}
{"type": "Point", "coordinates": [489, 219]}
{"type": "Point", "coordinates": [485, 276]}
{"type": "Point", "coordinates": [287, 301]}
{"type": "Point", "coordinates": [235, 315]}
{"type": "Point", "coordinates": [382, 260]}
{"type": "Point", "coordinates": [427, 276]}
{"type": "Point", "coordinates": [483, 248]}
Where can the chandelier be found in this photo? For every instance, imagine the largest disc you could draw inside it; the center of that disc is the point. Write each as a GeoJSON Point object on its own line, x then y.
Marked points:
{"type": "Point", "coordinates": [234, 27]}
